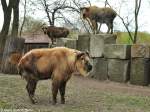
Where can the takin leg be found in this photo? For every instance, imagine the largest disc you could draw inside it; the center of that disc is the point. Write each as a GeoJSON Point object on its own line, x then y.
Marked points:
{"type": "Point", "coordinates": [55, 87]}
{"type": "Point", "coordinates": [94, 26]}
{"type": "Point", "coordinates": [31, 86]}
{"type": "Point", "coordinates": [52, 39]}
{"type": "Point", "coordinates": [110, 27]}
{"type": "Point", "coordinates": [99, 29]}
{"type": "Point", "coordinates": [62, 92]}
{"type": "Point", "coordinates": [90, 24]}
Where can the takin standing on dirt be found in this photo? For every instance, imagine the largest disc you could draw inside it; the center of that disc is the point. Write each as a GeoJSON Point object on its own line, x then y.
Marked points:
{"type": "Point", "coordinates": [56, 63]}
{"type": "Point", "coordinates": [95, 15]}
{"type": "Point", "coordinates": [54, 32]}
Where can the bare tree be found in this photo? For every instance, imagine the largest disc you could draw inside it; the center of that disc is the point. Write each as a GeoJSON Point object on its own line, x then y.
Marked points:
{"type": "Point", "coordinates": [78, 4]}
{"type": "Point", "coordinates": [127, 23]}
{"type": "Point", "coordinates": [31, 25]}
{"type": "Point", "coordinates": [15, 25]}
{"type": "Point", "coordinates": [59, 10]}
{"type": "Point", "coordinates": [7, 10]}
{"type": "Point", "coordinates": [106, 2]}
{"type": "Point", "coordinates": [8, 45]}
{"type": "Point", "coordinates": [24, 17]}
{"type": "Point", "coordinates": [136, 13]}
{"type": "Point", "coordinates": [54, 8]}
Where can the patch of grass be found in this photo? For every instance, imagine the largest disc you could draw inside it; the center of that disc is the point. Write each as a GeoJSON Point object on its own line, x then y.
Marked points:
{"type": "Point", "coordinates": [4, 104]}
{"type": "Point", "coordinates": [73, 34]}
{"type": "Point", "coordinates": [80, 97]}
{"type": "Point", "coordinates": [142, 38]}
{"type": "Point", "coordinates": [126, 103]}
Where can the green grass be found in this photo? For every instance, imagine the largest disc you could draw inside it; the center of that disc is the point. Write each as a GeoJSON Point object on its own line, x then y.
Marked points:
{"type": "Point", "coordinates": [116, 102]}
{"type": "Point", "coordinates": [123, 37]}
{"type": "Point", "coordinates": [142, 38]}
{"type": "Point", "coordinates": [4, 104]}
{"type": "Point", "coordinates": [82, 95]}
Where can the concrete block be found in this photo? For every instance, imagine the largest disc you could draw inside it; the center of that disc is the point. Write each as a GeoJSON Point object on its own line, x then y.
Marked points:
{"type": "Point", "coordinates": [140, 71]}
{"type": "Point", "coordinates": [96, 47]}
{"type": "Point", "coordinates": [61, 41]}
{"type": "Point", "coordinates": [99, 70]}
{"type": "Point", "coordinates": [66, 42]}
{"type": "Point", "coordinates": [71, 43]}
{"type": "Point", "coordinates": [140, 51]}
{"type": "Point", "coordinates": [118, 70]}
{"type": "Point", "coordinates": [52, 46]}
{"type": "Point", "coordinates": [83, 42]}
{"type": "Point", "coordinates": [117, 51]}
{"type": "Point", "coordinates": [109, 38]}
{"type": "Point", "coordinates": [95, 43]}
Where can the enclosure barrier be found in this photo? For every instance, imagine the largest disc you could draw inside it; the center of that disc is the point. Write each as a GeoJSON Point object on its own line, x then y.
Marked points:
{"type": "Point", "coordinates": [111, 61]}
{"type": "Point", "coordinates": [118, 57]}
{"type": "Point", "coordinates": [140, 65]}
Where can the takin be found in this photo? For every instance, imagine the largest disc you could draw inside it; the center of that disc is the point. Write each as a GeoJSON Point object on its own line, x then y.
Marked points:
{"type": "Point", "coordinates": [57, 63]}
{"type": "Point", "coordinates": [54, 32]}
{"type": "Point", "coordinates": [95, 15]}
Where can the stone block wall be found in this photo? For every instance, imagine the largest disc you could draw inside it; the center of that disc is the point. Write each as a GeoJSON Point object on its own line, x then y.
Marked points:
{"type": "Point", "coordinates": [140, 64]}
{"type": "Point", "coordinates": [140, 71]}
{"type": "Point", "coordinates": [115, 62]}
{"type": "Point", "coordinates": [118, 57]}
{"type": "Point", "coordinates": [95, 43]}
{"type": "Point", "coordinates": [67, 42]}
{"type": "Point", "coordinates": [117, 51]}
{"type": "Point", "coordinates": [100, 67]}
{"type": "Point", "coordinates": [118, 70]}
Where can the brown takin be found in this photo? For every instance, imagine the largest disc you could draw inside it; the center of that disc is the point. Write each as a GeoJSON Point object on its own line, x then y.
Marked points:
{"type": "Point", "coordinates": [96, 15]}
{"type": "Point", "coordinates": [55, 32]}
{"type": "Point", "coordinates": [56, 63]}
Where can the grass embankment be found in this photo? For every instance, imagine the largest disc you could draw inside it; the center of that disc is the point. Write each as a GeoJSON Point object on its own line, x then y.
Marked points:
{"type": "Point", "coordinates": [142, 38]}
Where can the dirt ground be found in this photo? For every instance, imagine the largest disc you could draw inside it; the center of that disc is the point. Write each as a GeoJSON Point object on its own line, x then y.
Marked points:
{"type": "Point", "coordinates": [82, 95]}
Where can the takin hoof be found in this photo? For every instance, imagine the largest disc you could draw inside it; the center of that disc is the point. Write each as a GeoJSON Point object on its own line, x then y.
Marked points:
{"type": "Point", "coordinates": [54, 102]}
{"type": "Point", "coordinates": [33, 100]}
{"type": "Point", "coordinates": [62, 101]}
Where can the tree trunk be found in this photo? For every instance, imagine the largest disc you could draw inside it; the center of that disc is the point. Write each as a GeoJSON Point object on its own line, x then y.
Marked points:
{"type": "Point", "coordinates": [12, 53]}
{"type": "Point", "coordinates": [15, 26]}
{"type": "Point", "coordinates": [136, 13]}
{"type": "Point", "coordinates": [7, 10]}
{"type": "Point", "coordinates": [24, 18]}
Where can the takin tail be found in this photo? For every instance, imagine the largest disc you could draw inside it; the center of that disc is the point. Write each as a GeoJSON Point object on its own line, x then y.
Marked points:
{"type": "Point", "coordinates": [25, 71]}
{"type": "Point", "coordinates": [15, 58]}
{"type": "Point", "coordinates": [19, 68]}
{"type": "Point", "coordinates": [21, 71]}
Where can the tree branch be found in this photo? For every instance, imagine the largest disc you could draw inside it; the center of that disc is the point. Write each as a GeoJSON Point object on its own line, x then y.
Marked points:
{"type": "Point", "coordinates": [24, 17]}
{"type": "Point", "coordinates": [137, 8]}
{"type": "Point", "coordinates": [126, 25]}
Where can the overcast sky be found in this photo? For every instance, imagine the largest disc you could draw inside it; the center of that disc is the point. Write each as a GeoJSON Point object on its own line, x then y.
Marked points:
{"type": "Point", "coordinates": [126, 9]}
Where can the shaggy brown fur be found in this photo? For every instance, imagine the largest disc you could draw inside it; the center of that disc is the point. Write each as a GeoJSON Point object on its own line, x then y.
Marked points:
{"type": "Point", "coordinates": [95, 14]}
{"type": "Point", "coordinates": [55, 32]}
{"type": "Point", "coordinates": [55, 63]}
{"type": "Point", "coordinates": [14, 58]}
